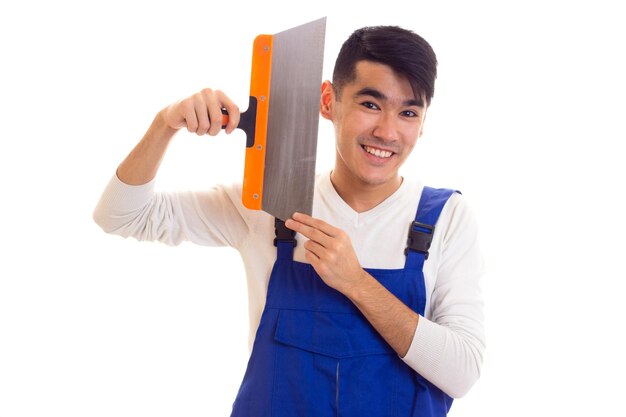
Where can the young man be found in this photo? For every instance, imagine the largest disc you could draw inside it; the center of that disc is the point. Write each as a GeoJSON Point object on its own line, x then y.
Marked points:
{"type": "Point", "coordinates": [350, 321]}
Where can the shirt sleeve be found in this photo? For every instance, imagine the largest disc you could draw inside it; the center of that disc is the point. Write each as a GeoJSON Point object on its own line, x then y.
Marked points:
{"type": "Point", "coordinates": [214, 217]}
{"type": "Point", "coordinates": [448, 349]}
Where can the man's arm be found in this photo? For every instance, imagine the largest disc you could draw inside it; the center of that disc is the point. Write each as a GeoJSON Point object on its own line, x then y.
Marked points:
{"type": "Point", "coordinates": [330, 252]}
{"type": "Point", "coordinates": [447, 350]}
{"type": "Point", "coordinates": [129, 205]}
{"type": "Point", "coordinates": [200, 113]}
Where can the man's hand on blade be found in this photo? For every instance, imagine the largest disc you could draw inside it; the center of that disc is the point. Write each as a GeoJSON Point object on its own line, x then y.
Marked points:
{"type": "Point", "coordinates": [330, 252]}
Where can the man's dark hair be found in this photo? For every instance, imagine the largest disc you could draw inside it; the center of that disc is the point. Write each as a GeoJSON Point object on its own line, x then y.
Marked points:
{"type": "Point", "coordinates": [404, 51]}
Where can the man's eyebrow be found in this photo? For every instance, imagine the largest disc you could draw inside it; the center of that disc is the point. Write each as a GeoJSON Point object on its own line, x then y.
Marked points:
{"type": "Point", "coordinates": [372, 92]}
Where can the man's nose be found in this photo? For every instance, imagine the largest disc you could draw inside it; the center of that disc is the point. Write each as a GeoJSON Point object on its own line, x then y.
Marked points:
{"type": "Point", "coordinates": [386, 128]}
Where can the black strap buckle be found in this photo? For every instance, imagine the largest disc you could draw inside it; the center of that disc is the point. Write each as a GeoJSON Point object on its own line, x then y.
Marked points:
{"type": "Point", "coordinates": [283, 233]}
{"type": "Point", "coordinates": [420, 238]}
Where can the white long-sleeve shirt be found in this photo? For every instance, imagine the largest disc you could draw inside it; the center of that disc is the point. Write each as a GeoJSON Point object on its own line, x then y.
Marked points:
{"type": "Point", "coordinates": [448, 345]}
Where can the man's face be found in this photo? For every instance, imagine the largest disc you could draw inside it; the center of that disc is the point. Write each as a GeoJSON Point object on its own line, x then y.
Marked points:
{"type": "Point", "coordinates": [377, 122]}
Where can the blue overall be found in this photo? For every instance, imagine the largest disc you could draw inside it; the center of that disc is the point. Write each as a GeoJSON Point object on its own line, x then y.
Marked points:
{"type": "Point", "coordinates": [316, 355]}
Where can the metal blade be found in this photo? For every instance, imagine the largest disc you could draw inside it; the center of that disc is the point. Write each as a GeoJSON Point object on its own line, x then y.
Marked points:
{"type": "Point", "coordinates": [293, 119]}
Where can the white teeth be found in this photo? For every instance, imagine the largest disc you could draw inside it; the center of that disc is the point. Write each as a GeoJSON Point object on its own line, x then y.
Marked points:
{"type": "Point", "coordinates": [377, 152]}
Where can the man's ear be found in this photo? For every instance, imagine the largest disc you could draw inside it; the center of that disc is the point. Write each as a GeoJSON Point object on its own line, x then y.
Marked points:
{"type": "Point", "coordinates": [326, 100]}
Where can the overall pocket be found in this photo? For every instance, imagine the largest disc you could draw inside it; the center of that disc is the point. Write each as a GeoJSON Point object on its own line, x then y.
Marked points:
{"type": "Point", "coordinates": [330, 364]}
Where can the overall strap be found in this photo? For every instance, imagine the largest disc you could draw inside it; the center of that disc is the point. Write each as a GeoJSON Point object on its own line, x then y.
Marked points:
{"type": "Point", "coordinates": [284, 241]}
{"type": "Point", "coordinates": [422, 229]}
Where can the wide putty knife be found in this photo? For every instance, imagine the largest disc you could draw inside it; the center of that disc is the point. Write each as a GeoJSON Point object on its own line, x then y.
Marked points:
{"type": "Point", "coordinates": [281, 122]}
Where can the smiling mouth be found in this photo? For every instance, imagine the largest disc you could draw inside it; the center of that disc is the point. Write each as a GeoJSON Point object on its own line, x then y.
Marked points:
{"type": "Point", "coordinates": [377, 152]}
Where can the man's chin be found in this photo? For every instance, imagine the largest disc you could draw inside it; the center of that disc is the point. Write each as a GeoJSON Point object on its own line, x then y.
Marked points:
{"type": "Point", "coordinates": [378, 180]}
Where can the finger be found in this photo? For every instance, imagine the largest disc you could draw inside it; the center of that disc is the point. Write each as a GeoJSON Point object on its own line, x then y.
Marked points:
{"type": "Point", "coordinates": [315, 248]}
{"type": "Point", "coordinates": [304, 229]}
{"type": "Point", "coordinates": [202, 116]}
{"type": "Point", "coordinates": [231, 109]}
{"type": "Point", "coordinates": [314, 261]}
{"type": "Point", "coordinates": [308, 231]}
{"type": "Point", "coordinates": [214, 109]}
{"type": "Point", "coordinates": [316, 224]}
{"type": "Point", "coordinates": [189, 114]}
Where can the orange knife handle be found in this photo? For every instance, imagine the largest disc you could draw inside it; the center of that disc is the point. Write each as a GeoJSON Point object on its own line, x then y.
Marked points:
{"type": "Point", "coordinates": [224, 118]}
{"type": "Point", "coordinates": [254, 168]}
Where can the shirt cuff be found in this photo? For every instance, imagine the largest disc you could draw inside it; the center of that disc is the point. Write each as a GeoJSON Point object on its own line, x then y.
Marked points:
{"type": "Point", "coordinates": [424, 354]}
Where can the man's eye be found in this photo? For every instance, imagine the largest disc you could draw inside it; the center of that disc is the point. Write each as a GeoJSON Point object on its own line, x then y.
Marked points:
{"type": "Point", "coordinates": [408, 113]}
{"type": "Point", "coordinates": [370, 105]}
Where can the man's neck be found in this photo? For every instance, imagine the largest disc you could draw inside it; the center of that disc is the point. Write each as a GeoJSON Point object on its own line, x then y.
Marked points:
{"type": "Point", "coordinates": [361, 196]}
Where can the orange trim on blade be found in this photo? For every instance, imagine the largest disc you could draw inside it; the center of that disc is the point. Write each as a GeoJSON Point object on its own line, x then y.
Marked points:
{"type": "Point", "coordinates": [255, 155]}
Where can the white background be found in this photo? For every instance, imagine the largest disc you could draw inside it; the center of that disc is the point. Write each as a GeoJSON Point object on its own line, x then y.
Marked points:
{"type": "Point", "coordinates": [528, 121]}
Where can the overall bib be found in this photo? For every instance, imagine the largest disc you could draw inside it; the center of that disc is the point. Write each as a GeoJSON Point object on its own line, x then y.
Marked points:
{"type": "Point", "coordinates": [316, 355]}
